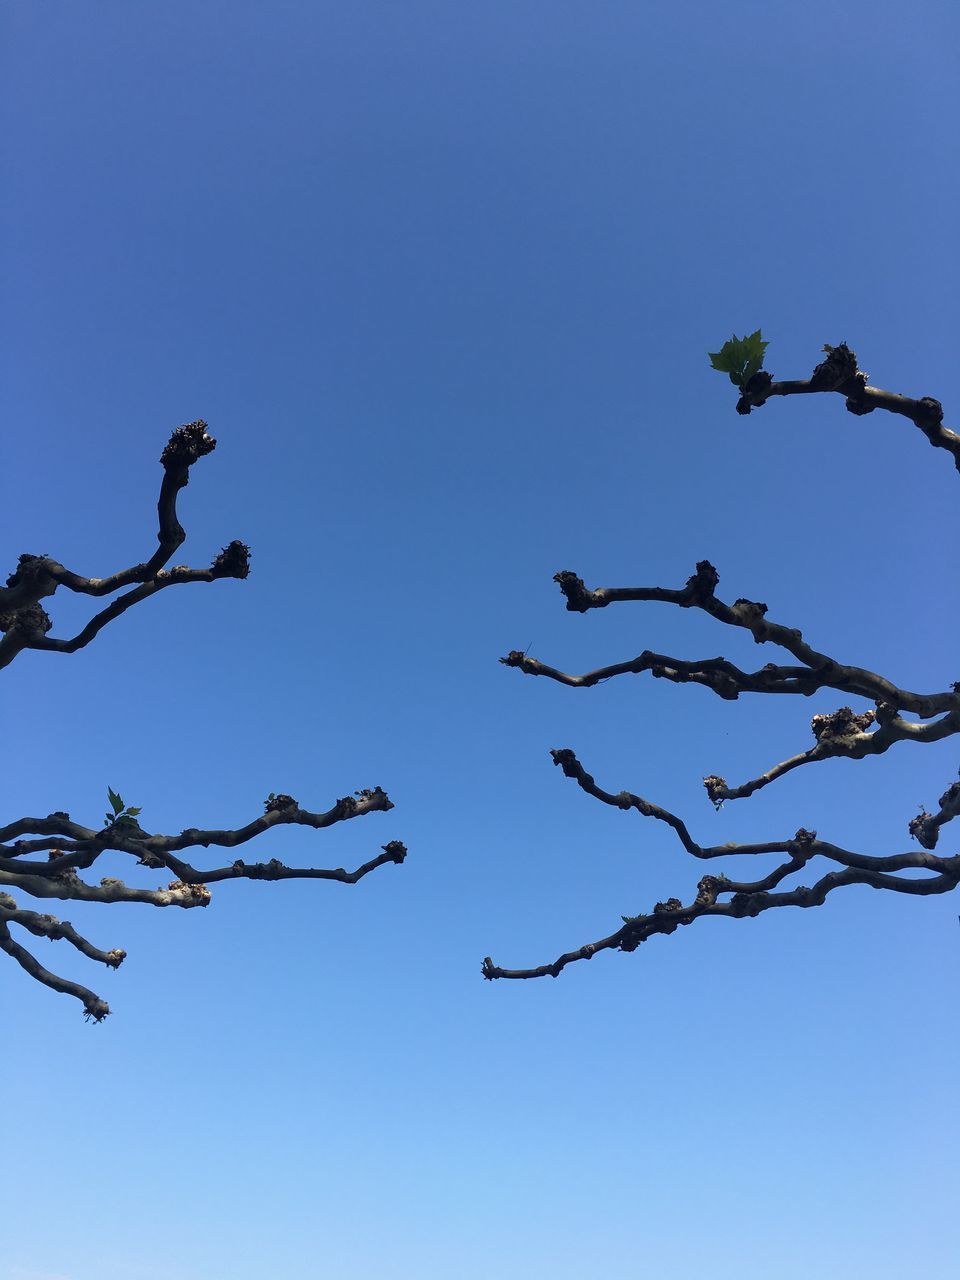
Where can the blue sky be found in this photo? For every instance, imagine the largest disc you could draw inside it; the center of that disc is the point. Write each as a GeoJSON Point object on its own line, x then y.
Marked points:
{"type": "Point", "coordinates": [442, 279]}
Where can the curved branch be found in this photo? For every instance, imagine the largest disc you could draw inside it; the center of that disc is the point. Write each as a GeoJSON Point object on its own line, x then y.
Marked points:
{"type": "Point", "coordinates": [394, 851]}
{"type": "Point", "coordinates": [801, 848]}
{"type": "Point", "coordinates": [86, 845]}
{"type": "Point", "coordinates": [164, 578]}
{"type": "Point", "coordinates": [281, 810]}
{"type": "Point", "coordinates": [26, 623]}
{"type": "Point", "coordinates": [68, 887]}
{"type": "Point", "coordinates": [741, 898]}
{"type": "Point", "coordinates": [728, 681]}
{"type": "Point", "coordinates": [93, 1006]}
{"type": "Point", "coordinates": [667, 916]}
{"type": "Point", "coordinates": [841, 735]}
{"type": "Point", "coordinates": [749, 615]}
{"type": "Point", "coordinates": [71, 847]}
{"type": "Point", "coordinates": [43, 926]}
{"type": "Point", "coordinates": [840, 373]}
{"type": "Point", "coordinates": [55, 824]}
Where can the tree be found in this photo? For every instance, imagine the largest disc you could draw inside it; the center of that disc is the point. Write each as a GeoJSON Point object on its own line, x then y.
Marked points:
{"type": "Point", "coordinates": [843, 732]}
{"type": "Point", "coordinates": [68, 847]}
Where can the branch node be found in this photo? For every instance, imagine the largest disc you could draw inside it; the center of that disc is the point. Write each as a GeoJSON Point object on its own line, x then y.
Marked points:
{"type": "Point", "coordinates": [929, 412]}
{"type": "Point", "coordinates": [668, 908]}
{"type": "Point", "coordinates": [187, 444]}
{"type": "Point", "coordinates": [32, 621]}
{"type": "Point", "coordinates": [232, 562]}
{"type": "Point", "coordinates": [95, 1009]}
{"type": "Point", "coordinates": [579, 599]}
{"type": "Point", "coordinates": [716, 789]}
{"type": "Point", "coordinates": [924, 829]}
{"type": "Point", "coordinates": [566, 759]}
{"type": "Point", "coordinates": [839, 367]}
{"type": "Point", "coordinates": [838, 726]}
{"type": "Point", "coordinates": [396, 850]}
{"type": "Point", "coordinates": [276, 803]}
{"type": "Point", "coordinates": [702, 584]}
{"type": "Point", "coordinates": [751, 614]}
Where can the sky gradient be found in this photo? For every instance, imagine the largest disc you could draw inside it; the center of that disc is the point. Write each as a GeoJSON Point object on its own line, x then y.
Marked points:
{"type": "Point", "coordinates": [442, 278]}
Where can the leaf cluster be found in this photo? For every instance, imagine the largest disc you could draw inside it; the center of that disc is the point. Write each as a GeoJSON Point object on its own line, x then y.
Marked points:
{"type": "Point", "coordinates": [122, 815]}
{"type": "Point", "coordinates": [740, 358]}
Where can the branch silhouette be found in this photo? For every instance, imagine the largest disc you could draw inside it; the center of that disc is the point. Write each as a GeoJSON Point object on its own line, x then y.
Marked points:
{"type": "Point", "coordinates": [839, 733]}
{"type": "Point", "coordinates": [70, 848]}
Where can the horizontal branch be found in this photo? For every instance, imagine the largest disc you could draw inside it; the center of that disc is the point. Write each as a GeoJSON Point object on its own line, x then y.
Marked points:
{"type": "Point", "coordinates": [699, 593]}
{"type": "Point", "coordinates": [394, 851]}
{"type": "Point", "coordinates": [667, 916]}
{"type": "Point", "coordinates": [740, 898]}
{"type": "Point", "coordinates": [71, 847]}
{"type": "Point", "coordinates": [840, 373]}
{"type": "Point", "coordinates": [281, 810]}
{"type": "Point", "coordinates": [722, 677]}
{"type": "Point", "coordinates": [68, 887]}
{"type": "Point", "coordinates": [53, 825]}
{"type": "Point", "coordinates": [804, 845]}
{"type": "Point", "coordinates": [83, 845]}
{"type": "Point", "coordinates": [728, 681]}
{"type": "Point", "coordinates": [841, 735]}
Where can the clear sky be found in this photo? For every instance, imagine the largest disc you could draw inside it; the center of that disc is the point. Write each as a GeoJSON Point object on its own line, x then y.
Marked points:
{"type": "Point", "coordinates": [442, 278]}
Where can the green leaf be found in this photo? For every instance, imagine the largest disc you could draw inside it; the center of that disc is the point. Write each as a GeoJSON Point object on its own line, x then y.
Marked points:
{"type": "Point", "coordinates": [115, 801]}
{"type": "Point", "coordinates": [740, 358]}
{"type": "Point", "coordinates": [132, 813]}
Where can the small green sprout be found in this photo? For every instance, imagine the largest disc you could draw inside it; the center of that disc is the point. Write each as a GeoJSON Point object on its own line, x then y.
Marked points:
{"type": "Point", "coordinates": [122, 816]}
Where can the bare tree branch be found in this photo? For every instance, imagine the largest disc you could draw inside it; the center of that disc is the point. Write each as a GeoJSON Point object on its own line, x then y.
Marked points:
{"type": "Point", "coordinates": [71, 847]}
{"type": "Point", "coordinates": [818, 671]}
{"type": "Point", "coordinates": [741, 898]}
{"type": "Point", "coordinates": [93, 1006]}
{"type": "Point", "coordinates": [728, 681]}
{"type": "Point", "coordinates": [750, 900]}
{"type": "Point", "coordinates": [841, 733]}
{"type": "Point", "coordinates": [25, 622]}
{"type": "Point", "coordinates": [839, 373]}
